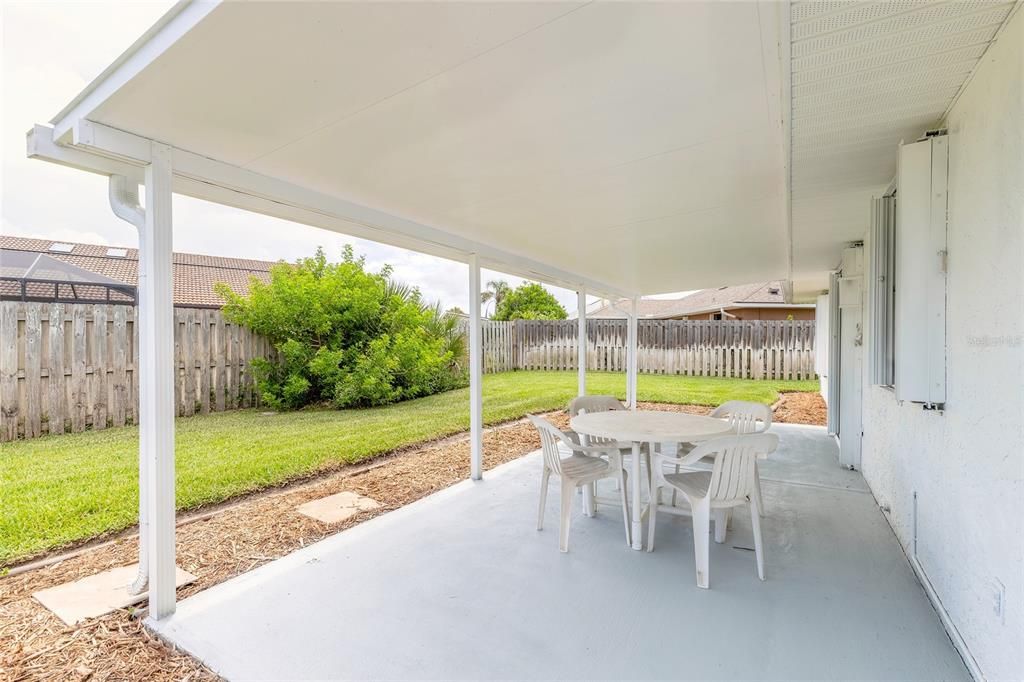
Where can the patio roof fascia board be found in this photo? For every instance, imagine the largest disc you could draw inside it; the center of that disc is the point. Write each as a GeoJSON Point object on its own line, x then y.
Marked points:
{"type": "Point", "coordinates": [39, 144]}
{"type": "Point", "coordinates": [105, 150]}
{"type": "Point", "coordinates": [175, 23]}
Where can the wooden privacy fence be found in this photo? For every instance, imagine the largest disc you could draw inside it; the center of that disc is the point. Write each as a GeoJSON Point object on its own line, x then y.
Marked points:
{"type": "Point", "coordinates": [68, 367]}
{"type": "Point", "coordinates": [751, 349]}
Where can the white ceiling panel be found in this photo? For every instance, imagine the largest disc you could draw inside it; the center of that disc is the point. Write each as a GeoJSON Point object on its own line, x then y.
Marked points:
{"type": "Point", "coordinates": [866, 76]}
{"type": "Point", "coordinates": [640, 145]}
{"type": "Point", "coordinates": [635, 143]}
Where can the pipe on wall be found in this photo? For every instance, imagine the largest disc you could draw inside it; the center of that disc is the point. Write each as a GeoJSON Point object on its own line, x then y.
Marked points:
{"type": "Point", "coordinates": [124, 202]}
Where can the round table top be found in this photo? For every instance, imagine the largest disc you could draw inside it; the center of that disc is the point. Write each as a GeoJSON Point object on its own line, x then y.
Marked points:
{"type": "Point", "coordinates": [649, 426]}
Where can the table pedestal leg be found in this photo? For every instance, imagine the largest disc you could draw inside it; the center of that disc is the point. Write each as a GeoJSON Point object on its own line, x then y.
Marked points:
{"type": "Point", "coordinates": [634, 484]}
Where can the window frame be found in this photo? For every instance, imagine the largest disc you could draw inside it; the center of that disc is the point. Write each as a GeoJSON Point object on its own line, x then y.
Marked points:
{"type": "Point", "coordinates": [883, 291]}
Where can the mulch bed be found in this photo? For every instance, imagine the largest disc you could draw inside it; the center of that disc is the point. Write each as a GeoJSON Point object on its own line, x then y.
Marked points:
{"type": "Point", "coordinates": [801, 408]}
{"type": "Point", "coordinates": [36, 645]}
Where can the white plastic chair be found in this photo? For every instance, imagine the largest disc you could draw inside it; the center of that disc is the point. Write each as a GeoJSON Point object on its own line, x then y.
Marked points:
{"type": "Point", "coordinates": [584, 466]}
{"type": "Point", "coordinates": [730, 483]}
{"type": "Point", "coordinates": [588, 404]}
{"type": "Point", "coordinates": [745, 417]}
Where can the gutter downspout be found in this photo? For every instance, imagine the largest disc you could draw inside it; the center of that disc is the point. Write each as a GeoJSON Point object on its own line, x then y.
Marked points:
{"type": "Point", "coordinates": [124, 202]}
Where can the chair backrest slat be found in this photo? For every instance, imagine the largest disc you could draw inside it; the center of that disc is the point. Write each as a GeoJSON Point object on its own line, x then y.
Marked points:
{"type": "Point", "coordinates": [745, 416]}
{"type": "Point", "coordinates": [588, 404]}
{"type": "Point", "coordinates": [549, 437]}
{"type": "Point", "coordinates": [732, 475]}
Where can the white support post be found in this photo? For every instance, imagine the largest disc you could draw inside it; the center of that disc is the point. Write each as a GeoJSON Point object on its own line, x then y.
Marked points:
{"type": "Point", "coordinates": [581, 342]}
{"type": "Point", "coordinates": [156, 379]}
{"type": "Point", "coordinates": [476, 394]}
{"type": "Point", "coordinates": [631, 367]}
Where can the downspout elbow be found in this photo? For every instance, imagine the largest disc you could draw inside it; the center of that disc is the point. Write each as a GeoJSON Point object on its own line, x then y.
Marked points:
{"type": "Point", "coordinates": [124, 201]}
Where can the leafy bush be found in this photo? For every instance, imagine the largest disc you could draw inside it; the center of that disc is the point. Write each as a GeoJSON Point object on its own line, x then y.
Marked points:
{"type": "Point", "coordinates": [529, 301]}
{"type": "Point", "coordinates": [346, 336]}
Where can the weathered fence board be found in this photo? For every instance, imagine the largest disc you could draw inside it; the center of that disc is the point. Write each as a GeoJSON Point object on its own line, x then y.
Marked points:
{"type": "Point", "coordinates": [751, 349]}
{"type": "Point", "coordinates": [69, 367]}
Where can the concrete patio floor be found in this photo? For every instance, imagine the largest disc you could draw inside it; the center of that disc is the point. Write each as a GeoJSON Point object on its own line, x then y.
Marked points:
{"type": "Point", "coordinates": [460, 585]}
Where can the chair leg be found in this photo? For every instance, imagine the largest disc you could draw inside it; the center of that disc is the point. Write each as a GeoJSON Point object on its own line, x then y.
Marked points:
{"type": "Point", "coordinates": [568, 488]}
{"type": "Point", "coordinates": [620, 482]}
{"type": "Point", "coordinates": [755, 522]}
{"type": "Point", "coordinates": [721, 524]}
{"type": "Point", "coordinates": [757, 491]}
{"type": "Point", "coordinates": [652, 515]}
{"type": "Point", "coordinates": [544, 478]}
{"type": "Point", "coordinates": [650, 472]}
{"type": "Point", "coordinates": [701, 540]}
{"type": "Point", "coordinates": [674, 490]}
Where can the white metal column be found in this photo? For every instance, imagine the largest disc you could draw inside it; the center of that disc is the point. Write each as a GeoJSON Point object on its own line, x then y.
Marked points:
{"type": "Point", "coordinates": [581, 342]}
{"type": "Point", "coordinates": [631, 354]}
{"type": "Point", "coordinates": [636, 527]}
{"type": "Point", "coordinates": [476, 395]}
{"type": "Point", "coordinates": [156, 379]}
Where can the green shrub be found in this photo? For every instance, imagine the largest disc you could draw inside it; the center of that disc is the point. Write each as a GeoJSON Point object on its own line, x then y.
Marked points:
{"type": "Point", "coordinates": [346, 336]}
{"type": "Point", "coordinates": [528, 301]}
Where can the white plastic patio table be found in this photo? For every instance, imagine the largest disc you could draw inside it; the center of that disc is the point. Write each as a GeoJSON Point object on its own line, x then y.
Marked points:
{"type": "Point", "coordinates": [646, 426]}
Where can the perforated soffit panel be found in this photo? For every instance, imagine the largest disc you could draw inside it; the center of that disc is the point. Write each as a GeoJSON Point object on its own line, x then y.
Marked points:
{"type": "Point", "coordinates": [866, 75]}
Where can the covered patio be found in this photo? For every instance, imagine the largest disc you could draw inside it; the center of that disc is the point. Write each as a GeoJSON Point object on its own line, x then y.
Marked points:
{"type": "Point", "coordinates": [460, 585]}
{"type": "Point", "coordinates": [620, 150]}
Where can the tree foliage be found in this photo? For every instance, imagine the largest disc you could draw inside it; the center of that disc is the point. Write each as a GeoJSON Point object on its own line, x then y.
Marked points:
{"type": "Point", "coordinates": [496, 291]}
{"type": "Point", "coordinates": [346, 336]}
{"type": "Point", "coordinates": [529, 301]}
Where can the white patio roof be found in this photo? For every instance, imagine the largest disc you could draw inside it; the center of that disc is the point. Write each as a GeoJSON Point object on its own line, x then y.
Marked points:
{"type": "Point", "coordinates": [620, 144]}
{"type": "Point", "coordinates": [632, 148]}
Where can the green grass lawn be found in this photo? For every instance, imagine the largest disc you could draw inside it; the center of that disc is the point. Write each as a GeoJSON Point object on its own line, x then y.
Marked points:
{"type": "Point", "coordinates": [63, 489]}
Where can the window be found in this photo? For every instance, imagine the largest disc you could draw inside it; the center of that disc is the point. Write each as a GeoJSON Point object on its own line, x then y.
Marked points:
{"type": "Point", "coordinates": [883, 280]}
{"type": "Point", "coordinates": [115, 252]}
{"type": "Point", "coordinates": [61, 247]}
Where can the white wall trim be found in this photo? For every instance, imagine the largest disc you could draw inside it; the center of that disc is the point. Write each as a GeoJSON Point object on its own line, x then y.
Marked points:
{"type": "Point", "coordinates": [933, 597]}
{"type": "Point", "coordinates": [947, 621]}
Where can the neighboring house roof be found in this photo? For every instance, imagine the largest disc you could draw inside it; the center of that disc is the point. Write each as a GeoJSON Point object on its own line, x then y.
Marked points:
{"type": "Point", "coordinates": [761, 294]}
{"type": "Point", "coordinates": [194, 274]}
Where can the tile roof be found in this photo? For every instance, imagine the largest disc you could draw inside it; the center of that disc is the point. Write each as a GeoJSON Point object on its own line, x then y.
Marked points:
{"type": "Point", "coordinates": [705, 300]}
{"type": "Point", "coordinates": [194, 274]}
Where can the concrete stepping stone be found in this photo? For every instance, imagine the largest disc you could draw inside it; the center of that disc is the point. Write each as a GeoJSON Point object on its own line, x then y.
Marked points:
{"type": "Point", "coordinates": [337, 507]}
{"type": "Point", "coordinates": [98, 594]}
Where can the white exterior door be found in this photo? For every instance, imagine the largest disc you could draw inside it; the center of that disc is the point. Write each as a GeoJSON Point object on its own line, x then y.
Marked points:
{"type": "Point", "coordinates": [850, 374]}
{"type": "Point", "coordinates": [851, 357]}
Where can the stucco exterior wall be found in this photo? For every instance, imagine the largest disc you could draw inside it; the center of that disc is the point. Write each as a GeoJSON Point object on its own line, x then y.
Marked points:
{"type": "Point", "coordinates": [965, 464]}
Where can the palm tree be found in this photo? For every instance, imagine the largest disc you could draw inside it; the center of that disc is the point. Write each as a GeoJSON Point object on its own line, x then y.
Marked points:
{"type": "Point", "coordinates": [496, 292]}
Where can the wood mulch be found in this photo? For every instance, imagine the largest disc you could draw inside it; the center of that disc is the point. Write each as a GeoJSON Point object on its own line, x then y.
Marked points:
{"type": "Point", "coordinates": [801, 408]}
{"type": "Point", "coordinates": [36, 645]}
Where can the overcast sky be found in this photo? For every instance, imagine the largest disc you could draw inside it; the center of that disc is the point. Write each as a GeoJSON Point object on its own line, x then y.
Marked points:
{"type": "Point", "coordinates": [51, 51]}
